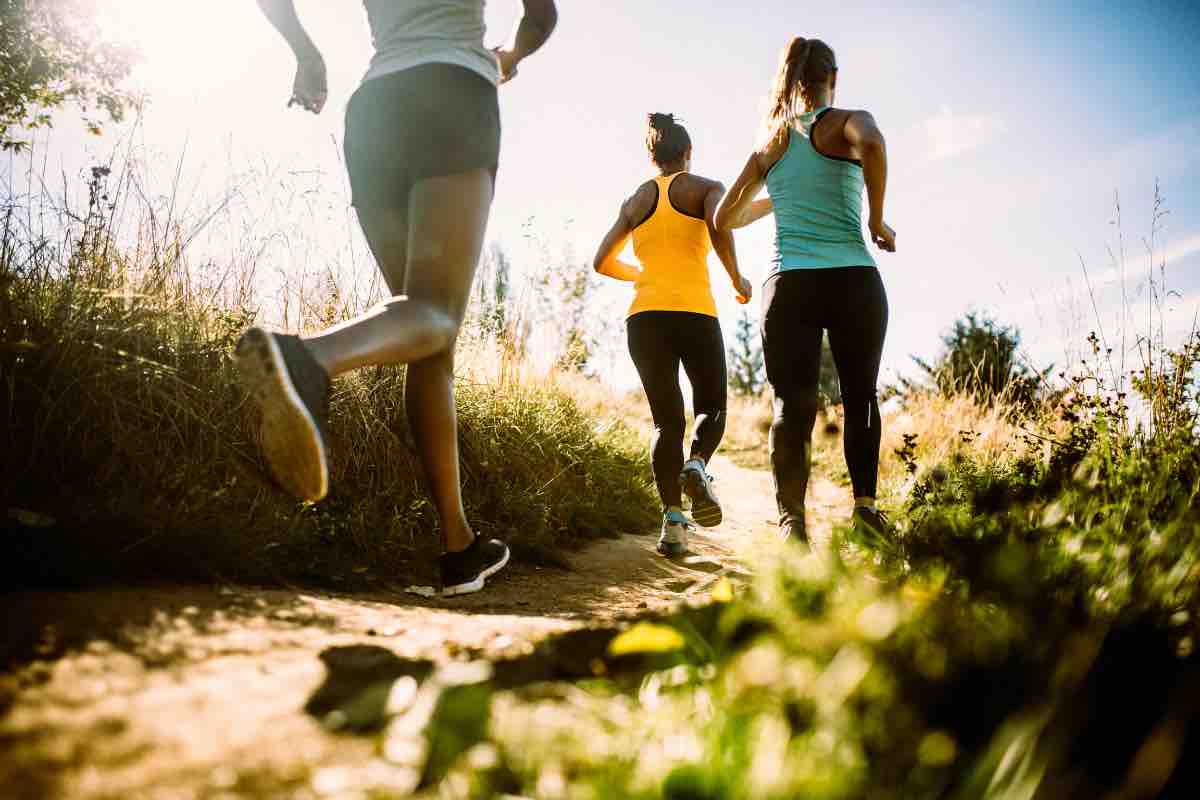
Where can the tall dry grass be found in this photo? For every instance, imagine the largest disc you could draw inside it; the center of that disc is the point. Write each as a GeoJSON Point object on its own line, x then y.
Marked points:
{"type": "Point", "coordinates": [127, 448]}
{"type": "Point", "coordinates": [930, 428]}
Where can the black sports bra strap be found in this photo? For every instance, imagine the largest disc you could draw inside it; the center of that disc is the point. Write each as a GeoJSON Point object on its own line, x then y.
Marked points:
{"type": "Point", "coordinates": [812, 139]}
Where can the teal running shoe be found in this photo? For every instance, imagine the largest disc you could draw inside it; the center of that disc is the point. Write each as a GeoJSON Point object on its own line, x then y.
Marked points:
{"type": "Point", "coordinates": [697, 485]}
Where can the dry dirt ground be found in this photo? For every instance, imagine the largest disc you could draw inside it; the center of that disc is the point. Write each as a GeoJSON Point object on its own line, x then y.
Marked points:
{"type": "Point", "coordinates": [198, 691]}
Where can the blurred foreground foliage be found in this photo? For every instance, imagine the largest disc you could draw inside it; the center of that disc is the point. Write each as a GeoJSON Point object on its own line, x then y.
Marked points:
{"type": "Point", "coordinates": [1029, 633]}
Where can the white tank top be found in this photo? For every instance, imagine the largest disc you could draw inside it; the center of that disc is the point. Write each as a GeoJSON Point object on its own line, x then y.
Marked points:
{"type": "Point", "coordinates": [409, 33]}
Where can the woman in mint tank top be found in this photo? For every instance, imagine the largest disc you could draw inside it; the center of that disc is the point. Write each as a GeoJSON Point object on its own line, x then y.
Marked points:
{"type": "Point", "coordinates": [815, 165]}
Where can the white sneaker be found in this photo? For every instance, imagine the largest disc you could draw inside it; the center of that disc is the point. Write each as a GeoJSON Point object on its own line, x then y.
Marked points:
{"type": "Point", "coordinates": [673, 541]}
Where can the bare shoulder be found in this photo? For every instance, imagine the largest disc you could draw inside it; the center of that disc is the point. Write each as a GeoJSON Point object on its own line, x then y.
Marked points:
{"type": "Point", "coordinates": [773, 148]}
{"type": "Point", "coordinates": [857, 120]}
{"type": "Point", "coordinates": [690, 192]}
{"type": "Point", "coordinates": [700, 184]}
{"type": "Point", "coordinates": [641, 202]}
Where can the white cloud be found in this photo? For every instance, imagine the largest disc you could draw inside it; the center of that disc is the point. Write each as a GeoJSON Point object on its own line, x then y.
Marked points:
{"type": "Point", "coordinates": [951, 134]}
{"type": "Point", "coordinates": [1136, 262]}
{"type": "Point", "coordinates": [1094, 282]}
{"type": "Point", "coordinates": [1182, 249]}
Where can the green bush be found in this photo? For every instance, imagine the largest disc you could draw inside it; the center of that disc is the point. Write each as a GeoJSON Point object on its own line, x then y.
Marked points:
{"type": "Point", "coordinates": [980, 356]}
{"type": "Point", "coordinates": [125, 430]}
{"type": "Point", "coordinates": [1031, 632]}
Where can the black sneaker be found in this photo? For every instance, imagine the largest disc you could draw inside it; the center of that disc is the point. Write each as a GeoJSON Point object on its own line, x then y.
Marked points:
{"type": "Point", "coordinates": [794, 532]}
{"type": "Point", "coordinates": [697, 485]}
{"type": "Point", "coordinates": [292, 393]}
{"type": "Point", "coordinates": [873, 528]}
{"type": "Point", "coordinates": [466, 571]}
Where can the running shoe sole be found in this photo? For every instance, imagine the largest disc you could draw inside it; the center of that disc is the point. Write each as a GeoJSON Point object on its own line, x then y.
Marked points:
{"type": "Point", "coordinates": [706, 511]}
{"type": "Point", "coordinates": [291, 440]}
{"type": "Point", "coordinates": [472, 586]}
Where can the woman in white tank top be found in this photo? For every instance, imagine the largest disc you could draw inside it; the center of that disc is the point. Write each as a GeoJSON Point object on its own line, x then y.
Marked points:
{"type": "Point", "coordinates": [422, 143]}
{"type": "Point", "coordinates": [408, 34]}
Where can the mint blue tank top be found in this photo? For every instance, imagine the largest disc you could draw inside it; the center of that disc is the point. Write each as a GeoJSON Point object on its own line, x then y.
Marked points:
{"type": "Point", "coordinates": [818, 205]}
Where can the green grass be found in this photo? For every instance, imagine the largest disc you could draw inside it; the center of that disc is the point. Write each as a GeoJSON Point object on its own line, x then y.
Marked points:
{"type": "Point", "coordinates": [1030, 633]}
{"type": "Point", "coordinates": [123, 424]}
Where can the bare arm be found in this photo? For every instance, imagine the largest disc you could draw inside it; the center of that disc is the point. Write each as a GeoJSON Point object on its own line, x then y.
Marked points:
{"type": "Point", "coordinates": [867, 142]}
{"type": "Point", "coordinates": [530, 33]}
{"type": "Point", "coordinates": [606, 261]}
{"type": "Point", "coordinates": [751, 212]}
{"type": "Point", "coordinates": [722, 241]}
{"type": "Point", "coordinates": [754, 212]}
{"type": "Point", "coordinates": [739, 208]}
{"type": "Point", "coordinates": [310, 90]}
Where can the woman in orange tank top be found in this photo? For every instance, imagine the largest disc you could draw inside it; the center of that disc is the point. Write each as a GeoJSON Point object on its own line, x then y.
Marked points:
{"type": "Point", "coordinates": [673, 319]}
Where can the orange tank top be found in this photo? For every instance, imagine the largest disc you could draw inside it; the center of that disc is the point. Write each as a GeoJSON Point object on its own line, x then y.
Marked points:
{"type": "Point", "coordinates": [673, 250]}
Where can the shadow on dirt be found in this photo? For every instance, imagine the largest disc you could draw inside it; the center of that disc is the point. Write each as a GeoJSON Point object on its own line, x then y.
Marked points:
{"type": "Point", "coordinates": [158, 625]}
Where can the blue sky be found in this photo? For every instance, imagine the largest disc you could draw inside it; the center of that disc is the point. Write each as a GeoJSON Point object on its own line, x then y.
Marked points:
{"type": "Point", "coordinates": [1010, 127]}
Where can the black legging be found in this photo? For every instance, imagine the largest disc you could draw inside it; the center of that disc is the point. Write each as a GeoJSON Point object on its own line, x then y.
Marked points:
{"type": "Point", "coordinates": [659, 341]}
{"type": "Point", "coordinates": [849, 302]}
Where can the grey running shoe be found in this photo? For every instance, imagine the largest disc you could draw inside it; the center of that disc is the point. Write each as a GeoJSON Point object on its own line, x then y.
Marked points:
{"type": "Point", "coordinates": [292, 393]}
{"type": "Point", "coordinates": [697, 485]}
{"type": "Point", "coordinates": [673, 541]}
{"type": "Point", "coordinates": [467, 571]}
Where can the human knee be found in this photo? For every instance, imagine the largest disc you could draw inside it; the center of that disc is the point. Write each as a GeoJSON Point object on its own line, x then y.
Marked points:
{"type": "Point", "coordinates": [440, 365]}
{"type": "Point", "coordinates": [436, 328]}
{"type": "Point", "coordinates": [860, 405]}
{"type": "Point", "coordinates": [798, 406]}
{"type": "Point", "coordinates": [710, 416]}
{"type": "Point", "coordinates": [670, 431]}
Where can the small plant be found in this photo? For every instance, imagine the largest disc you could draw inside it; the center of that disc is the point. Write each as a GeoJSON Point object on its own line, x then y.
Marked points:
{"type": "Point", "coordinates": [907, 453]}
{"type": "Point", "coordinates": [746, 374]}
{"type": "Point", "coordinates": [981, 357]}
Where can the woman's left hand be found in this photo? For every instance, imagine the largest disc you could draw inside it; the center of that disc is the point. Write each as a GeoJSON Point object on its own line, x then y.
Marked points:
{"type": "Point", "coordinates": [882, 235]}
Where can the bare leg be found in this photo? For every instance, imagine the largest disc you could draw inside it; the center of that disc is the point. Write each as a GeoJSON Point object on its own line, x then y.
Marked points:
{"type": "Point", "coordinates": [399, 330]}
{"type": "Point", "coordinates": [430, 254]}
{"type": "Point", "coordinates": [448, 217]}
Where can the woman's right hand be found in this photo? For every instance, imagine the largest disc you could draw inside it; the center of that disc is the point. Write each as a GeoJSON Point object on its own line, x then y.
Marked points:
{"type": "Point", "coordinates": [507, 61]}
{"type": "Point", "coordinates": [310, 90]}
{"type": "Point", "coordinates": [882, 235]}
{"type": "Point", "coordinates": [745, 290]}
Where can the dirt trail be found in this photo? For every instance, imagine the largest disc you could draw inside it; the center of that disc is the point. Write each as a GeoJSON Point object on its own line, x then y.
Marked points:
{"type": "Point", "coordinates": [198, 691]}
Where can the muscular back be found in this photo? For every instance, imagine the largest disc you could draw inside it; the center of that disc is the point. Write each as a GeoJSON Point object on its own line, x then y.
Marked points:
{"type": "Point", "coordinates": [829, 135]}
{"type": "Point", "coordinates": [835, 136]}
{"type": "Point", "coordinates": [687, 195]}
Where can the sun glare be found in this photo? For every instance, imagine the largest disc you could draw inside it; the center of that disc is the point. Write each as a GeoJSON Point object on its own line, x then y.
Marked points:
{"type": "Point", "coordinates": [183, 46]}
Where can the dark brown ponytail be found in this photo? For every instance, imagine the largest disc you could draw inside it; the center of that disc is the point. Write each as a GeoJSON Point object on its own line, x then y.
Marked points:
{"type": "Point", "coordinates": [667, 140]}
{"type": "Point", "coordinates": [804, 65]}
